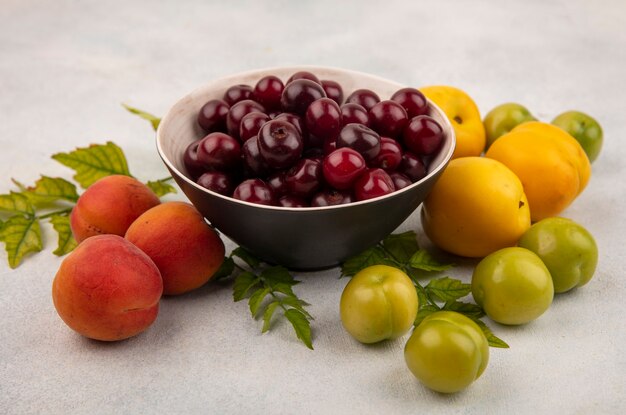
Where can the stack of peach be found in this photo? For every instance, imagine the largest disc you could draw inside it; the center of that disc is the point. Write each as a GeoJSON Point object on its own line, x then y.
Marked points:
{"type": "Point", "coordinates": [132, 250]}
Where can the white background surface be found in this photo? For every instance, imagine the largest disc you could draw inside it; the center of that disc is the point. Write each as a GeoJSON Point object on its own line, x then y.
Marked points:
{"type": "Point", "coordinates": [65, 67]}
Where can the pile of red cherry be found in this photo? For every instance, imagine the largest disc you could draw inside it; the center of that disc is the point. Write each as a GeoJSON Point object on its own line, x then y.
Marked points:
{"type": "Point", "coordinates": [299, 145]}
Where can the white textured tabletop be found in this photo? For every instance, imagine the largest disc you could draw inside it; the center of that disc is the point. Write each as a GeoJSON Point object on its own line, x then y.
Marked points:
{"type": "Point", "coordinates": [65, 67]}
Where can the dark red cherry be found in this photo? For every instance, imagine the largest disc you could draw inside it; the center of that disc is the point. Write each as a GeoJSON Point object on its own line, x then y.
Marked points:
{"type": "Point", "coordinates": [400, 181]}
{"type": "Point", "coordinates": [390, 154]}
{"type": "Point", "coordinates": [237, 112]}
{"type": "Point", "coordinates": [237, 93]}
{"type": "Point", "coordinates": [268, 91]}
{"type": "Point", "coordinates": [323, 119]}
{"type": "Point", "coordinates": [304, 75]}
{"type": "Point", "coordinates": [354, 113]}
{"type": "Point", "coordinates": [342, 167]}
{"type": "Point", "coordinates": [360, 138]}
{"type": "Point", "coordinates": [277, 183]}
{"type": "Point", "coordinates": [251, 124]}
{"type": "Point", "coordinates": [219, 151]}
{"type": "Point", "coordinates": [217, 182]}
{"type": "Point", "coordinates": [254, 191]}
{"type": "Point", "coordinates": [388, 118]}
{"type": "Point", "coordinates": [330, 145]}
{"type": "Point", "coordinates": [299, 94]}
{"type": "Point", "coordinates": [194, 167]}
{"type": "Point", "coordinates": [252, 158]}
{"type": "Point", "coordinates": [373, 183]}
{"type": "Point", "coordinates": [412, 166]}
{"type": "Point", "coordinates": [280, 143]}
{"type": "Point", "coordinates": [412, 100]}
{"type": "Point", "coordinates": [364, 97]}
{"type": "Point", "coordinates": [304, 178]}
{"type": "Point", "coordinates": [331, 197]}
{"type": "Point", "coordinates": [423, 135]}
{"type": "Point", "coordinates": [292, 201]}
{"type": "Point", "coordinates": [333, 90]}
{"type": "Point", "coordinates": [212, 116]}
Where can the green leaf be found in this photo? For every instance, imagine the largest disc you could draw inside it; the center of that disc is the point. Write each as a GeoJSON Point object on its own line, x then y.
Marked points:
{"type": "Point", "coordinates": [16, 203]}
{"type": "Point", "coordinates": [423, 260]}
{"type": "Point", "coordinates": [225, 270]}
{"type": "Point", "coordinates": [491, 338]}
{"type": "Point", "coordinates": [300, 325]}
{"type": "Point", "coordinates": [401, 246]}
{"type": "Point", "coordinates": [66, 243]}
{"type": "Point", "coordinates": [424, 312]}
{"type": "Point", "coordinates": [369, 257]}
{"type": "Point", "coordinates": [21, 236]}
{"type": "Point", "coordinates": [243, 283]}
{"type": "Point", "coordinates": [154, 120]}
{"type": "Point", "coordinates": [161, 187]}
{"type": "Point", "coordinates": [282, 287]}
{"type": "Point", "coordinates": [295, 302]}
{"type": "Point", "coordinates": [50, 189]}
{"type": "Point", "coordinates": [448, 289]}
{"type": "Point", "coordinates": [94, 162]}
{"type": "Point", "coordinates": [246, 257]}
{"type": "Point", "coordinates": [278, 274]}
{"type": "Point", "coordinates": [256, 299]}
{"type": "Point", "coordinates": [422, 299]}
{"type": "Point", "coordinates": [470, 310]}
{"type": "Point", "coordinates": [267, 315]}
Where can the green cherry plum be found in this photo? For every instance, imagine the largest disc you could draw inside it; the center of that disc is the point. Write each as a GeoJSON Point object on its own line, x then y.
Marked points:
{"type": "Point", "coordinates": [566, 248]}
{"type": "Point", "coordinates": [584, 128]}
{"type": "Point", "coordinates": [503, 119]}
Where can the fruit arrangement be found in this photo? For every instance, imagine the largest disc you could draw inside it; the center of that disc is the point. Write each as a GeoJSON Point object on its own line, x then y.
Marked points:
{"type": "Point", "coordinates": [298, 144]}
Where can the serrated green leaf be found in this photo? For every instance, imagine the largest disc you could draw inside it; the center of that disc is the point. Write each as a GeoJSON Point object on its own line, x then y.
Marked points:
{"type": "Point", "coordinates": [300, 325]}
{"type": "Point", "coordinates": [295, 302]}
{"type": "Point", "coordinates": [492, 339]}
{"type": "Point", "coordinates": [243, 283]}
{"type": "Point", "coordinates": [468, 309]}
{"type": "Point", "coordinates": [160, 187]}
{"type": "Point", "coordinates": [256, 300]}
{"type": "Point", "coordinates": [1, 227]}
{"type": "Point", "coordinates": [401, 246]}
{"type": "Point", "coordinates": [447, 289]}
{"type": "Point", "coordinates": [66, 243]}
{"type": "Point", "coordinates": [278, 274]}
{"type": "Point", "coordinates": [246, 257]}
{"type": "Point", "coordinates": [423, 312]}
{"type": "Point", "coordinates": [21, 236]}
{"type": "Point", "coordinates": [423, 260]}
{"type": "Point", "coordinates": [422, 299]}
{"type": "Point", "coordinates": [94, 162]}
{"type": "Point", "coordinates": [225, 270]}
{"type": "Point", "coordinates": [16, 203]}
{"type": "Point", "coordinates": [154, 120]}
{"type": "Point", "coordinates": [282, 287]}
{"type": "Point", "coordinates": [369, 257]}
{"type": "Point", "coordinates": [267, 315]}
{"type": "Point", "coordinates": [50, 189]}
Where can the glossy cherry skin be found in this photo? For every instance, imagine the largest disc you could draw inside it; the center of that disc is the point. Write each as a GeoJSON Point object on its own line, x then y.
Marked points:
{"type": "Point", "coordinates": [299, 94]}
{"type": "Point", "coordinates": [342, 167]}
{"type": "Point", "coordinates": [304, 178]}
{"type": "Point", "coordinates": [253, 161]}
{"type": "Point", "coordinates": [237, 112]}
{"type": "Point", "coordinates": [219, 151]}
{"type": "Point", "coordinates": [254, 191]}
{"type": "Point", "coordinates": [388, 118]}
{"type": "Point", "coordinates": [364, 97]}
{"type": "Point", "coordinates": [268, 91]}
{"type": "Point", "coordinates": [400, 181]}
{"type": "Point", "coordinates": [412, 166]}
{"type": "Point", "coordinates": [360, 138]}
{"type": "Point", "coordinates": [423, 135]}
{"type": "Point", "coordinates": [323, 119]}
{"type": "Point", "coordinates": [212, 116]}
{"type": "Point", "coordinates": [280, 143]}
{"type": "Point", "coordinates": [333, 90]}
{"type": "Point", "coordinates": [251, 124]}
{"type": "Point", "coordinates": [292, 201]}
{"type": "Point", "coordinates": [354, 113]}
{"type": "Point", "coordinates": [390, 154]}
{"type": "Point", "coordinates": [277, 183]}
{"type": "Point", "coordinates": [237, 93]}
{"type": "Point", "coordinates": [412, 100]}
{"type": "Point", "coordinates": [331, 197]}
{"type": "Point", "coordinates": [194, 167]}
{"type": "Point", "coordinates": [304, 75]}
{"type": "Point", "coordinates": [217, 181]}
{"type": "Point", "coordinates": [329, 146]}
{"type": "Point", "coordinates": [373, 183]}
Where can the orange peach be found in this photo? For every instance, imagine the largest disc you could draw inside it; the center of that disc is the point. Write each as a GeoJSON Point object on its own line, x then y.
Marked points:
{"type": "Point", "coordinates": [107, 289]}
{"type": "Point", "coordinates": [179, 241]}
{"type": "Point", "coordinates": [109, 206]}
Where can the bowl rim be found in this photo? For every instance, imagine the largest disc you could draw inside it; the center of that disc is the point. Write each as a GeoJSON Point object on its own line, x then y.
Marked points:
{"type": "Point", "coordinates": [312, 68]}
